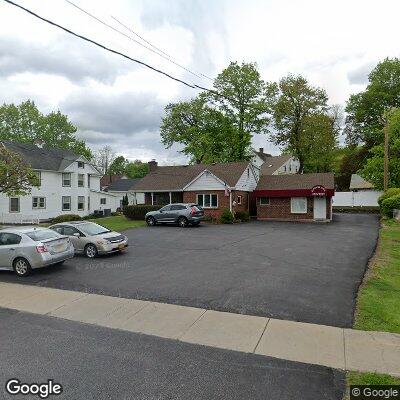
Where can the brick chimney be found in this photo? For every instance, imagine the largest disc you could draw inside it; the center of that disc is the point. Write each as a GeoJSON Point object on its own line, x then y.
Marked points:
{"type": "Point", "coordinates": [261, 150]}
{"type": "Point", "coordinates": [152, 165]}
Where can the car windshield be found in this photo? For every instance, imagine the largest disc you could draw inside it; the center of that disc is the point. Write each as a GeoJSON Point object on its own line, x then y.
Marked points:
{"type": "Point", "coordinates": [42, 234]}
{"type": "Point", "coordinates": [92, 229]}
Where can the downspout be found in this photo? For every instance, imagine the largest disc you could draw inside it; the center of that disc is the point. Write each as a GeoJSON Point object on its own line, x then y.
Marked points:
{"type": "Point", "coordinates": [152, 198]}
{"type": "Point", "coordinates": [230, 200]}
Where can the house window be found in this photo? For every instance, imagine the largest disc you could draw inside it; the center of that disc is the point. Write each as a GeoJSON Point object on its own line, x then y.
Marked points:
{"type": "Point", "coordinates": [239, 199]}
{"type": "Point", "coordinates": [14, 204]}
{"type": "Point", "coordinates": [81, 180]}
{"type": "Point", "coordinates": [66, 203]}
{"type": "Point", "coordinates": [38, 202]}
{"type": "Point", "coordinates": [88, 180]}
{"type": "Point", "coordinates": [207, 200]}
{"type": "Point", "coordinates": [66, 179]}
{"type": "Point", "coordinates": [263, 201]}
{"type": "Point", "coordinates": [103, 200]}
{"type": "Point", "coordinates": [88, 203]}
{"type": "Point", "coordinates": [298, 205]}
{"type": "Point", "coordinates": [81, 203]}
{"type": "Point", "coordinates": [284, 168]}
{"type": "Point", "coordinates": [248, 172]}
{"type": "Point", "coordinates": [39, 177]}
{"type": "Point", "coordinates": [81, 164]}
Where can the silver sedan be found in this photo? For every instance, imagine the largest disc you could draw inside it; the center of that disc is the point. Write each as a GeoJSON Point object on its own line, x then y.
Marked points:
{"type": "Point", "coordinates": [25, 248]}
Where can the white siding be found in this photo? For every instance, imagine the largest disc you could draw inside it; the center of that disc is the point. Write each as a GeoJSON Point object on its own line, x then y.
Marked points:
{"type": "Point", "coordinates": [52, 190]}
{"type": "Point", "coordinates": [248, 180]}
{"type": "Point", "coordinates": [290, 167]}
{"type": "Point", "coordinates": [206, 181]}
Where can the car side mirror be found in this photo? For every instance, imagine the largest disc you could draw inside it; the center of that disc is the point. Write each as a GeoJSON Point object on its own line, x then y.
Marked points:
{"type": "Point", "coordinates": [76, 234]}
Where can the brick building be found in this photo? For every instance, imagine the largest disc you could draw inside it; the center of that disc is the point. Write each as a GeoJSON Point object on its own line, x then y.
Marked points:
{"type": "Point", "coordinates": [306, 197]}
{"type": "Point", "coordinates": [213, 186]}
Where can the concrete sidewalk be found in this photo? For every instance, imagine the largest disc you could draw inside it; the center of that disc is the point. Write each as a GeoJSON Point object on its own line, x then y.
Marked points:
{"type": "Point", "coordinates": [339, 348]}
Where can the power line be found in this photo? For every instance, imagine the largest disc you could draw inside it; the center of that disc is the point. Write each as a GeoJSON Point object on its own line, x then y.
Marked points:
{"type": "Point", "coordinates": [168, 58]}
{"type": "Point", "coordinates": [191, 85]}
{"type": "Point", "coordinates": [152, 45]}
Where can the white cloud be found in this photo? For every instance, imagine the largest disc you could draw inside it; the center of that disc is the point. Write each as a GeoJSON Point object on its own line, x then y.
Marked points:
{"type": "Point", "coordinates": [114, 101]}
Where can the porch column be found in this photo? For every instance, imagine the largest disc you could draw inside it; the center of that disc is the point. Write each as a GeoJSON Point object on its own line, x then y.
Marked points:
{"type": "Point", "coordinates": [152, 198]}
{"type": "Point", "coordinates": [230, 201]}
{"type": "Point", "coordinates": [170, 198]}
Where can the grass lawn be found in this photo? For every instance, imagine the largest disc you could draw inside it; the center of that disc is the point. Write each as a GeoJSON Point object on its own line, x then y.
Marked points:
{"type": "Point", "coordinates": [367, 378]}
{"type": "Point", "coordinates": [118, 223]}
{"type": "Point", "coordinates": [378, 302]}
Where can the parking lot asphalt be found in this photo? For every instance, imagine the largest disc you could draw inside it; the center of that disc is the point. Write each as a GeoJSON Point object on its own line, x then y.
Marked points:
{"type": "Point", "coordinates": [295, 271]}
{"type": "Point", "coordinates": [99, 363]}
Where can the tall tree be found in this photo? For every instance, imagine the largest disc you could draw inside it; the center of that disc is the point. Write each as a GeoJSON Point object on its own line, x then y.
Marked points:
{"type": "Point", "coordinates": [245, 99]}
{"type": "Point", "coordinates": [205, 133]}
{"type": "Point", "coordinates": [372, 170]}
{"type": "Point", "coordinates": [118, 166]}
{"type": "Point", "coordinates": [103, 158]}
{"type": "Point", "coordinates": [26, 124]}
{"type": "Point", "coordinates": [16, 177]}
{"type": "Point", "coordinates": [137, 169]}
{"type": "Point", "coordinates": [296, 106]}
{"type": "Point", "coordinates": [365, 110]}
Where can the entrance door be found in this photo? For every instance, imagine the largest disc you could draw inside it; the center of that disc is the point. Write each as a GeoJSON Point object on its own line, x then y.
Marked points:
{"type": "Point", "coordinates": [319, 208]}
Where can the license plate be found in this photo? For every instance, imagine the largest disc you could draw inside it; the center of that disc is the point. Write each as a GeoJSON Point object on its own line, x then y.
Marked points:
{"type": "Point", "coordinates": [60, 247]}
{"type": "Point", "coordinates": [121, 246]}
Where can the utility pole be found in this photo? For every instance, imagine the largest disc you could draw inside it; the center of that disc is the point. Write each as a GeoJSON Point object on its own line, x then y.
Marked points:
{"type": "Point", "coordinates": [386, 156]}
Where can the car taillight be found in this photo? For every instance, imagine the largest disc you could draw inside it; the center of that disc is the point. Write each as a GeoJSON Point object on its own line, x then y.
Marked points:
{"type": "Point", "coordinates": [193, 212]}
{"type": "Point", "coordinates": [41, 249]}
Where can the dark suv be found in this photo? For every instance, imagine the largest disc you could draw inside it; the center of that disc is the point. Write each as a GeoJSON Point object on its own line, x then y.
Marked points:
{"type": "Point", "coordinates": [178, 213]}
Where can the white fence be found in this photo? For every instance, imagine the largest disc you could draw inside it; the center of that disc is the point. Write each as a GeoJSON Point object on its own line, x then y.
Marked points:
{"type": "Point", "coordinates": [8, 218]}
{"type": "Point", "coordinates": [367, 198]}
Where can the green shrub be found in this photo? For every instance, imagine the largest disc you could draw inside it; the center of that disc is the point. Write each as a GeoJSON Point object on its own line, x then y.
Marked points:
{"type": "Point", "coordinates": [388, 193]}
{"type": "Point", "coordinates": [66, 218]}
{"type": "Point", "coordinates": [390, 204]}
{"type": "Point", "coordinates": [138, 212]}
{"type": "Point", "coordinates": [242, 216]}
{"type": "Point", "coordinates": [226, 216]}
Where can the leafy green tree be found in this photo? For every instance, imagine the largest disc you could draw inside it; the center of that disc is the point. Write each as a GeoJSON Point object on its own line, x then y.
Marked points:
{"type": "Point", "coordinates": [137, 169]}
{"type": "Point", "coordinates": [26, 124]}
{"type": "Point", "coordinates": [16, 177]}
{"type": "Point", "coordinates": [118, 166]}
{"type": "Point", "coordinates": [372, 170]}
{"type": "Point", "coordinates": [321, 140]}
{"type": "Point", "coordinates": [205, 133]}
{"type": "Point", "coordinates": [297, 106]}
{"type": "Point", "coordinates": [246, 100]}
{"type": "Point", "coordinates": [365, 110]}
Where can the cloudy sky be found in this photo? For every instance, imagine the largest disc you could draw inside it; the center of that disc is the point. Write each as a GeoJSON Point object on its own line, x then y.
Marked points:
{"type": "Point", "coordinates": [114, 101]}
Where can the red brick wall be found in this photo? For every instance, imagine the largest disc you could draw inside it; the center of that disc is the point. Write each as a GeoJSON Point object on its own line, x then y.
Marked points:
{"type": "Point", "coordinates": [279, 208]}
{"type": "Point", "coordinates": [223, 201]}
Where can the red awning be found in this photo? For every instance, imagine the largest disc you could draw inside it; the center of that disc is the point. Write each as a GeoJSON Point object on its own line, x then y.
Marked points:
{"type": "Point", "coordinates": [293, 193]}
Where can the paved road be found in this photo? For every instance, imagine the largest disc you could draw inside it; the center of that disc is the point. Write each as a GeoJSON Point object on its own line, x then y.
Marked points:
{"type": "Point", "coordinates": [301, 272]}
{"type": "Point", "coordinates": [99, 363]}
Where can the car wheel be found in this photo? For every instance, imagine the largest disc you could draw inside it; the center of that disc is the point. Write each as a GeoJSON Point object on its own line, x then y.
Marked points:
{"type": "Point", "coordinates": [90, 251]}
{"type": "Point", "coordinates": [22, 267]}
{"type": "Point", "coordinates": [182, 222]}
{"type": "Point", "coordinates": [151, 221]}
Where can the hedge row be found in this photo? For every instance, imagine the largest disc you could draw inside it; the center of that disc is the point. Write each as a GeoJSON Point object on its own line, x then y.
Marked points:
{"type": "Point", "coordinates": [389, 205]}
{"type": "Point", "coordinates": [356, 209]}
{"type": "Point", "coordinates": [138, 212]}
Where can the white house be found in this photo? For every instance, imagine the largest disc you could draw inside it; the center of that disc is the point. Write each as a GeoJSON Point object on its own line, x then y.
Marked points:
{"type": "Point", "coordinates": [125, 186]}
{"type": "Point", "coordinates": [69, 184]}
{"type": "Point", "coordinates": [275, 165]}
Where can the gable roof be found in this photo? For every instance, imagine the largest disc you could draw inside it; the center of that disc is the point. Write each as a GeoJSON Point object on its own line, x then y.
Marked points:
{"type": "Point", "coordinates": [296, 181]}
{"type": "Point", "coordinates": [358, 182]}
{"type": "Point", "coordinates": [46, 158]}
{"type": "Point", "coordinates": [271, 164]}
{"type": "Point", "coordinates": [123, 185]}
{"type": "Point", "coordinates": [172, 178]}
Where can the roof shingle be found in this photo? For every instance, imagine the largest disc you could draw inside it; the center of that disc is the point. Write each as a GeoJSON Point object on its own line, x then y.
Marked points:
{"type": "Point", "coordinates": [296, 181]}
{"type": "Point", "coordinates": [170, 178]}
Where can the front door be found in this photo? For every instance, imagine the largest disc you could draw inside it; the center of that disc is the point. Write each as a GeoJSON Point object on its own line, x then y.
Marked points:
{"type": "Point", "coordinates": [319, 208]}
